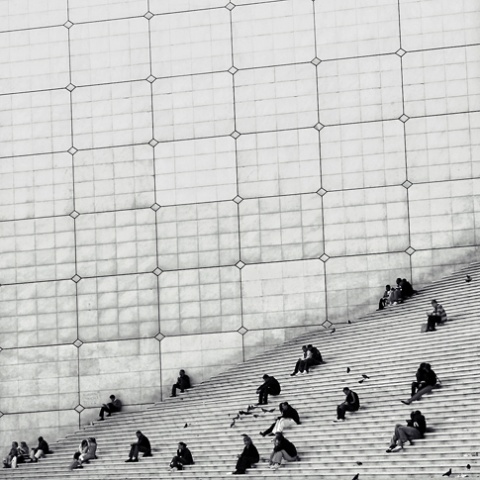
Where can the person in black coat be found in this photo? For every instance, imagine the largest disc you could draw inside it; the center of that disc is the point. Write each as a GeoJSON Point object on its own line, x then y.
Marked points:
{"type": "Point", "coordinates": [283, 449]}
{"type": "Point", "coordinates": [415, 428]}
{"type": "Point", "coordinates": [426, 381]}
{"type": "Point", "coordinates": [141, 445]}
{"type": "Point", "coordinates": [183, 383]}
{"type": "Point", "coordinates": [287, 412]}
{"type": "Point", "coordinates": [247, 458]}
{"type": "Point", "coordinates": [351, 404]}
{"type": "Point", "coordinates": [183, 457]}
{"type": "Point", "coordinates": [40, 451]}
{"type": "Point", "coordinates": [269, 386]}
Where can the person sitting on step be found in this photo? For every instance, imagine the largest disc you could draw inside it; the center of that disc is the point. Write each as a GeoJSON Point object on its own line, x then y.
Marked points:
{"type": "Point", "coordinates": [300, 365]}
{"type": "Point", "coordinates": [283, 450]}
{"type": "Point", "coordinates": [88, 450]}
{"type": "Point", "coordinates": [11, 459]}
{"type": "Point", "coordinates": [426, 381]}
{"type": "Point", "coordinates": [314, 357]}
{"type": "Point", "coordinates": [437, 316]}
{"type": "Point", "coordinates": [385, 300]}
{"type": "Point", "coordinates": [415, 428]}
{"type": "Point", "coordinates": [115, 405]}
{"type": "Point", "coordinates": [76, 462]}
{"type": "Point", "coordinates": [351, 404]}
{"type": "Point", "coordinates": [23, 453]}
{"type": "Point", "coordinates": [183, 383]}
{"type": "Point", "coordinates": [41, 450]}
{"type": "Point", "coordinates": [287, 415]}
{"type": "Point", "coordinates": [183, 457]}
{"type": "Point", "coordinates": [247, 458]}
{"type": "Point", "coordinates": [269, 386]}
{"type": "Point", "coordinates": [141, 445]}
{"type": "Point", "coordinates": [407, 289]}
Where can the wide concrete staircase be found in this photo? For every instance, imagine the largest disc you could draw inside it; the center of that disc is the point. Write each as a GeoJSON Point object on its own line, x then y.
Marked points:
{"type": "Point", "coordinates": [386, 345]}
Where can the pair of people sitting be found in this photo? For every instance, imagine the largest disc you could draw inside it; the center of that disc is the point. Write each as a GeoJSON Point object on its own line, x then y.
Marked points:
{"type": "Point", "coordinates": [17, 454]}
{"type": "Point", "coordinates": [398, 293]}
{"type": "Point", "coordinates": [311, 357]}
{"type": "Point", "coordinates": [87, 451]}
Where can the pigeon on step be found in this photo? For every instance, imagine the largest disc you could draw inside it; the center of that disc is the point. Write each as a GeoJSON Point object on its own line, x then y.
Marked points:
{"type": "Point", "coordinates": [365, 376]}
{"type": "Point", "coordinates": [447, 474]}
{"type": "Point", "coordinates": [468, 466]}
{"type": "Point", "coordinates": [333, 330]}
{"type": "Point", "coordinates": [348, 369]}
{"type": "Point", "coordinates": [186, 425]}
{"type": "Point", "coordinates": [356, 477]}
{"type": "Point", "coordinates": [468, 278]}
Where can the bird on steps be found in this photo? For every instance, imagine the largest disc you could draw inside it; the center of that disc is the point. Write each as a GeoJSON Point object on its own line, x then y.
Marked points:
{"type": "Point", "coordinates": [447, 474]}
{"type": "Point", "coordinates": [356, 477]}
{"type": "Point", "coordinates": [468, 278]}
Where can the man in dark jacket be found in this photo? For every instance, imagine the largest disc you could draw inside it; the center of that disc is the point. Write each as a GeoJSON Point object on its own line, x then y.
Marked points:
{"type": "Point", "coordinates": [183, 383]}
{"type": "Point", "coordinates": [141, 445]}
{"type": "Point", "coordinates": [248, 457]}
{"type": "Point", "coordinates": [426, 382]}
{"type": "Point", "coordinates": [415, 428]}
{"type": "Point", "coordinates": [269, 386]}
{"type": "Point", "coordinates": [41, 450]}
{"type": "Point", "coordinates": [183, 457]}
{"type": "Point", "coordinates": [287, 412]}
{"type": "Point", "coordinates": [115, 405]}
{"type": "Point", "coordinates": [283, 449]}
{"type": "Point", "coordinates": [351, 404]}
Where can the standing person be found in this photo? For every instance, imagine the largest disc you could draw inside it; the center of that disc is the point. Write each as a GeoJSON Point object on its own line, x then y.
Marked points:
{"type": "Point", "coordinates": [300, 365]}
{"type": "Point", "coordinates": [351, 404]}
{"type": "Point", "coordinates": [287, 413]}
{"type": "Point", "coordinates": [283, 449]}
{"type": "Point", "coordinates": [12, 457]}
{"type": "Point", "coordinates": [41, 450]}
{"type": "Point", "coordinates": [141, 445]}
{"type": "Point", "coordinates": [415, 428]}
{"type": "Point", "coordinates": [115, 405]}
{"type": "Point", "coordinates": [436, 316]}
{"type": "Point", "coordinates": [426, 381]}
{"type": "Point", "coordinates": [247, 458]}
{"type": "Point", "coordinates": [183, 383]}
{"type": "Point", "coordinates": [270, 386]}
{"type": "Point", "coordinates": [183, 457]}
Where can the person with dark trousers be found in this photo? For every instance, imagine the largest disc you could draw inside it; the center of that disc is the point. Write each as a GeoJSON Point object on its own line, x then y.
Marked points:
{"type": "Point", "coordinates": [314, 357]}
{"type": "Point", "coordinates": [183, 383]}
{"type": "Point", "coordinates": [415, 428]}
{"type": "Point", "coordinates": [426, 381]}
{"type": "Point", "coordinates": [270, 386]}
{"type": "Point", "coordinates": [115, 405]}
{"type": "Point", "coordinates": [247, 458]}
{"type": "Point", "coordinates": [141, 445]}
{"type": "Point", "coordinates": [300, 365]}
{"type": "Point", "coordinates": [437, 316]}
{"type": "Point", "coordinates": [12, 458]}
{"type": "Point", "coordinates": [287, 412]}
{"type": "Point", "coordinates": [183, 457]}
{"type": "Point", "coordinates": [351, 404]}
{"type": "Point", "coordinates": [283, 449]}
{"type": "Point", "coordinates": [407, 289]}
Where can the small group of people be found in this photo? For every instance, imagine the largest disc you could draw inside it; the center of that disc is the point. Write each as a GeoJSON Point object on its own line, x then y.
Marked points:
{"type": "Point", "coordinates": [87, 450]}
{"type": "Point", "coordinates": [22, 454]}
{"type": "Point", "coordinates": [311, 357]}
{"type": "Point", "coordinates": [396, 294]}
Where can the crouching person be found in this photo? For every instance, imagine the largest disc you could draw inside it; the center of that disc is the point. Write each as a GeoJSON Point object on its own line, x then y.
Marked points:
{"type": "Point", "coordinates": [183, 457]}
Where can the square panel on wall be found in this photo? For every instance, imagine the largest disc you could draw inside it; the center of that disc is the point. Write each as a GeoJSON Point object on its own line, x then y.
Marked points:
{"type": "Point", "coordinates": [24, 14]}
{"type": "Point", "coordinates": [114, 179]}
{"type": "Point", "coordinates": [363, 155]}
{"type": "Point", "coordinates": [115, 243]}
{"type": "Point", "coordinates": [113, 51]}
{"type": "Point", "coordinates": [276, 98]}
{"type": "Point", "coordinates": [370, 273]}
{"type": "Point", "coordinates": [50, 372]}
{"type": "Point", "coordinates": [35, 314]}
{"type": "Point", "coordinates": [350, 28]}
{"type": "Point", "coordinates": [195, 171]}
{"type": "Point", "coordinates": [37, 250]}
{"type": "Point", "coordinates": [283, 294]}
{"type": "Point", "coordinates": [366, 221]}
{"type": "Point", "coordinates": [193, 106]}
{"type": "Point", "coordinates": [443, 147]}
{"type": "Point", "coordinates": [360, 89]}
{"type": "Point", "coordinates": [118, 307]}
{"type": "Point", "coordinates": [442, 81]}
{"type": "Point", "coordinates": [442, 214]}
{"type": "Point", "coordinates": [37, 122]}
{"type": "Point", "coordinates": [111, 115]}
{"type": "Point", "coordinates": [195, 236]}
{"type": "Point", "coordinates": [129, 369]}
{"type": "Point", "coordinates": [442, 23]}
{"type": "Point", "coordinates": [278, 163]}
{"type": "Point", "coordinates": [191, 42]}
{"type": "Point", "coordinates": [206, 300]}
{"type": "Point", "coordinates": [273, 33]}
{"type": "Point", "coordinates": [281, 228]}
{"type": "Point", "coordinates": [36, 186]}
{"type": "Point", "coordinates": [34, 60]}
{"type": "Point", "coordinates": [92, 10]}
